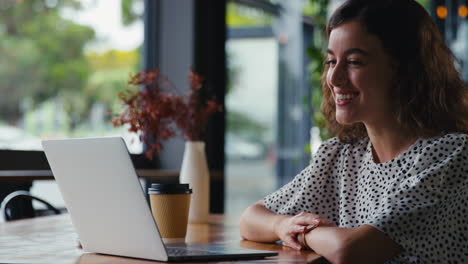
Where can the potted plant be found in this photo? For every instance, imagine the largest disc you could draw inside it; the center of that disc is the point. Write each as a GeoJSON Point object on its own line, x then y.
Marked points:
{"type": "Point", "coordinates": [159, 111]}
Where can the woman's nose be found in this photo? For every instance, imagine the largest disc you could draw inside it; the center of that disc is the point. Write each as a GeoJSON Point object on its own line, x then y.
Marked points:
{"type": "Point", "coordinates": [337, 75]}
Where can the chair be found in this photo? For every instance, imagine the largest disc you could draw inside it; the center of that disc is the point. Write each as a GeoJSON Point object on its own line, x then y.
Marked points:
{"type": "Point", "coordinates": [12, 198]}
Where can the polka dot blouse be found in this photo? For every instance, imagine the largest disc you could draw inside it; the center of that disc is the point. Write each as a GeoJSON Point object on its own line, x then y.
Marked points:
{"type": "Point", "coordinates": [419, 199]}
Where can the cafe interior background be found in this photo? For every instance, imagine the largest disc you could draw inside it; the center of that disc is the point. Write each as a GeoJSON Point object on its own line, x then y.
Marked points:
{"type": "Point", "coordinates": [63, 62]}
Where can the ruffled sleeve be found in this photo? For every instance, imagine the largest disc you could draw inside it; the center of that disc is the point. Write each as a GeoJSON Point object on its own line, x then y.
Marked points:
{"type": "Point", "coordinates": [306, 191]}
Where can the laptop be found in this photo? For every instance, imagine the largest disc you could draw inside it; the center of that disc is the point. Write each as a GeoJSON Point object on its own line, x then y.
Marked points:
{"type": "Point", "coordinates": [108, 207]}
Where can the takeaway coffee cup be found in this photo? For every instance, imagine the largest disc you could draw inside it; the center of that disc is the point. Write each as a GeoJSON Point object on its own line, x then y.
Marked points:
{"type": "Point", "coordinates": [170, 204]}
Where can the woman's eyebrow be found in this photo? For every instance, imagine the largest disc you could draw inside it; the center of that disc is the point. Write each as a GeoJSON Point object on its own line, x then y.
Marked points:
{"type": "Point", "coordinates": [351, 51]}
{"type": "Point", "coordinates": [356, 50]}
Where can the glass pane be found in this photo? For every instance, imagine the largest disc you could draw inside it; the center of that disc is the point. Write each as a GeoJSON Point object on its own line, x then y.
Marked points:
{"type": "Point", "coordinates": [62, 64]}
{"type": "Point", "coordinates": [451, 17]}
{"type": "Point", "coordinates": [459, 44]}
{"type": "Point", "coordinates": [240, 16]}
{"type": "Point", "coordinates": [251, 104]}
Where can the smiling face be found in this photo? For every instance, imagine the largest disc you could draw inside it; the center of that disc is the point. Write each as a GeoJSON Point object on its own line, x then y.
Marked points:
{"type": "Point", "coordinates": [359, 75]}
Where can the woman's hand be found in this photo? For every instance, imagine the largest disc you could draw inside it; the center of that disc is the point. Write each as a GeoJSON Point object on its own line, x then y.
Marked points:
{"type": "Point", "coordinates": [288, 228]}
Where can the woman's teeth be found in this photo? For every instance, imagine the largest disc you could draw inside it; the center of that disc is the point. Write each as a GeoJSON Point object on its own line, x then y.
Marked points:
{"type": "Point", "coordinates": [344, 96]}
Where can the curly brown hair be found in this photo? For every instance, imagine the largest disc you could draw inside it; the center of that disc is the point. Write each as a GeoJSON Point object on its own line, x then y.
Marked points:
{"type": "Point", "coordinates": [429, 96]}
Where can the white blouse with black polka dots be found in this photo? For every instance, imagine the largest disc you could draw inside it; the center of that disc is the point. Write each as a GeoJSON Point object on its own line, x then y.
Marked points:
{"type": "Point", "coordinates": [419, 199]}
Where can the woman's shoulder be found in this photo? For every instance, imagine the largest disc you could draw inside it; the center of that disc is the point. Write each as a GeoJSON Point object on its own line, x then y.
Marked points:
{"type": "Point", "coordinates": [446, 142]}
{"type": "Point", "coordinates": [332, 151]}
{"type": "Point", "coordinates": [334, 145]}
{"type": "Point", "coordinates": [441, 160]}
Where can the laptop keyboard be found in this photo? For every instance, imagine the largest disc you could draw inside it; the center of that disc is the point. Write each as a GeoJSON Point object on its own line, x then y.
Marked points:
{"type": "Point", "coordinates": [176, 251]}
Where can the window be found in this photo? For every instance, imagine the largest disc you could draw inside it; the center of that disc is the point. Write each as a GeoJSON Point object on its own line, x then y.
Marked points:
{"type": "Point", "coordinates": [268, 123]}
{"type": "Point", "coordinates": [62, 64]}
{"type": "Point", "coordinates": [458, 38]}
{"type": "Point", "coordinates": [451, 16]}
{"type": "Point", "coordinates": [65, 70]}
{"type": "Point", "coordinates": [252, 61]}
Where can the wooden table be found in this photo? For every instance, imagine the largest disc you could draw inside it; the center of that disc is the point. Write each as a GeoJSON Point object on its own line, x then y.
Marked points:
{"type": "Point", "coordinates": [52, 239]}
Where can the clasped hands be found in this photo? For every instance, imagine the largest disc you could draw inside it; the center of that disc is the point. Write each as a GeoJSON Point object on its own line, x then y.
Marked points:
{"type": "Point", "coordinates": [292, 229]}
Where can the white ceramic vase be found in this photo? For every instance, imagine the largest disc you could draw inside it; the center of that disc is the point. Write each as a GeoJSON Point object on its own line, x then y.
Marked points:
{"type": "Point", "coordinates": [195, 172]}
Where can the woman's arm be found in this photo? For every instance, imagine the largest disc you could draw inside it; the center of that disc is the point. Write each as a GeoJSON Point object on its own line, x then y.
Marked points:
{"type": "Point", "coordinates": [364, 244]}
{"type": "Point", "coordinates": [259, 224]}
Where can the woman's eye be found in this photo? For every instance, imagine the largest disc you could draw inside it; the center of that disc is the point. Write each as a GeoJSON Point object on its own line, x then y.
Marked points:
{"type": "Point", "coordinates": [354, 62]}
{"type": "Point", "coordinates": [330, 62]}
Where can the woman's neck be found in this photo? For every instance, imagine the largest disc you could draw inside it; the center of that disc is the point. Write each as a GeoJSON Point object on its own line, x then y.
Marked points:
{"type": "Point", "coordinates": [389, 142]}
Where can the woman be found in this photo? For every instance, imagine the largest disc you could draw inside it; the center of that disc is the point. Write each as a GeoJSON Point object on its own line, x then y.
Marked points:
{"type": "Point", "coordinates": [392, 185]}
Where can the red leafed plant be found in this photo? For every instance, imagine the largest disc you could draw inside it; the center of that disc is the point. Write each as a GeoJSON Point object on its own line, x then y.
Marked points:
{"type": "Point", "coordinates": [158, 109]}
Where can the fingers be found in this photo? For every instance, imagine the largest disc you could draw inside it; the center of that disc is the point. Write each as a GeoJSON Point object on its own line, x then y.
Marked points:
{"type": "Point", "coordinates": [290, 236]}
{"type": "Point", "coordinates": [306, 219]}
{"type": "Point", "coordinates": [290, 227]}
{"type": "Point", "coordinates": [291, 241]}
{"type": "Point", "coordinates": [311, 219]}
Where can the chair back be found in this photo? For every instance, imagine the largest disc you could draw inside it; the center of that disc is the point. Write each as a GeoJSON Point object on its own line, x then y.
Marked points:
{"type": "Point", "coordinates": [9, 200]}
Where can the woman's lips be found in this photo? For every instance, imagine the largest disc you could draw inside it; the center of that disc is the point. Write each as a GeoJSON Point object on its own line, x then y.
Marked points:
{"type": "Point", "coordinates": [342, 99]}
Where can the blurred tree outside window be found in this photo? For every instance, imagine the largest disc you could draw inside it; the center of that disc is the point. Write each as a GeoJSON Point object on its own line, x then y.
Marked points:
{"type": "Point", "coordinates": [62, 64]}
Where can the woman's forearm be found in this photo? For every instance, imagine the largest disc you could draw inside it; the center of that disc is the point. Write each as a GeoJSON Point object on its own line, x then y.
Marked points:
{"type": "Point", "coordinates": [258, 223]}
{"type": "Point", "coordinates": [364, 244]}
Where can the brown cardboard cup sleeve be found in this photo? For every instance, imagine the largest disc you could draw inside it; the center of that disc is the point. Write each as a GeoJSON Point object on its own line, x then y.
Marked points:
{"type": "Point", "coordinates": [170, 204]}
